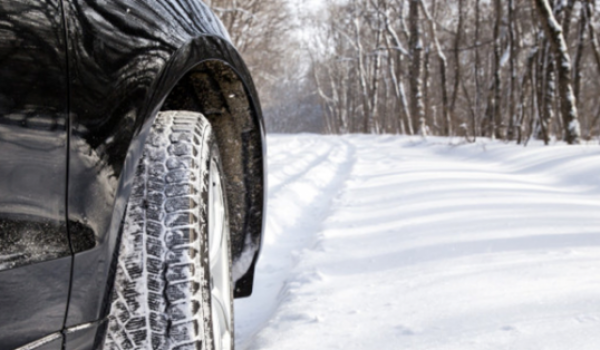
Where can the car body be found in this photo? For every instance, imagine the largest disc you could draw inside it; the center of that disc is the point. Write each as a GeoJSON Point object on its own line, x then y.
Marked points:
{"type": "Point", "coordinates": [80, 84]}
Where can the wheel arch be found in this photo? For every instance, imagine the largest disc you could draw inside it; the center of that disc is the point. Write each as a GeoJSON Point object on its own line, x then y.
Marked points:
{"type": "Point", "coordinates": [214, 89]}
{"type": "Point", "coordinates": [122, 73]}
{"type": "Point", "coordinates": [207, 75]}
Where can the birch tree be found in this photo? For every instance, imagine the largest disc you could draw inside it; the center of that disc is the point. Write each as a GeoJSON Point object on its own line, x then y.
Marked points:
{"type": "Point", "coordinates": [416, 59]}
{"type": "Point", "coordinates": [513, 70]}
{"type": "Point", "coordinates": [567, 99]}
{"type": "Point", "coordinates": [443, 67]}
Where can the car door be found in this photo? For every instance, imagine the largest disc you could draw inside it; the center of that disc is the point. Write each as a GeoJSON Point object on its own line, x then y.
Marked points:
{"type": "Point", "coordinates": [35, 255]}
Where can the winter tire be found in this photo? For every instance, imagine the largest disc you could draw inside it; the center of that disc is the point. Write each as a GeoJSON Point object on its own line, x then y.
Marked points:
{"type": "Point", "coordinates": [173, 285]}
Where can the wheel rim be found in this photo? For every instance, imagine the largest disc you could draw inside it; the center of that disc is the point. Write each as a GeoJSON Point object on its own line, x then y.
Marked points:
{"type": "Point", "coordinates": [218, 232]}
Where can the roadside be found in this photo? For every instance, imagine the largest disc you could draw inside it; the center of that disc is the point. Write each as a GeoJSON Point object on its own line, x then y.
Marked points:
{"type": "Point", "coordinates": [406, 243]}
{"type": "Point", "coordinates": [305, 174]}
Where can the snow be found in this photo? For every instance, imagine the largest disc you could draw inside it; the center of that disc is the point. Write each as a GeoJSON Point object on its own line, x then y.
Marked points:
{"type": "Point", "coordinates": [505, 57]}
{"type": "Point", "coordinates": [385, 242]}
{"type": "Point", "coordinates": [575, 127]}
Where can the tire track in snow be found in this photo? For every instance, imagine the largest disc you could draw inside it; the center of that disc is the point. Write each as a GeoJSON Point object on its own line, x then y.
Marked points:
{"type": "Point", "coordinates": [304, 194]}
{"type": "Point", "coordinates": [434, 247]}
{"type": "Point", "coordinates": [307, 161]}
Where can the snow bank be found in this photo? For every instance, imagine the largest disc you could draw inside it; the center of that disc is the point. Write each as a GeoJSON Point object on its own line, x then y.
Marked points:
{"type": "Point", "coordinates": [381, 242]}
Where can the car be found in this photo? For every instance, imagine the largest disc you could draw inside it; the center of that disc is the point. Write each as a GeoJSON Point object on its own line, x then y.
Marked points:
{"type": "Point", "coordinates": [132, 176]}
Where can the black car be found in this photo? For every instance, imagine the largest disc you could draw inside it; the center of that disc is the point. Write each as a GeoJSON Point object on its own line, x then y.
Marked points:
{"type": "Point", "coordinates": [131, 176]}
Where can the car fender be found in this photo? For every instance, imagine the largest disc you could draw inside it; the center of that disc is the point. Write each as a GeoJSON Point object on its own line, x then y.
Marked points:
{"type": "Point", "coordinates": [100, 184]}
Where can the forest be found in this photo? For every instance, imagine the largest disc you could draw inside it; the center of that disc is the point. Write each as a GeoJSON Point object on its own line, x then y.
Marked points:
{"type": "Point", "coordinates": [513, 70]}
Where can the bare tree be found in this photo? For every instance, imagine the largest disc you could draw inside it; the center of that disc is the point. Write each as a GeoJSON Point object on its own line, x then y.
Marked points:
{"type": "Point", "coordinates": [592, 32]}
{"type": "Point", "coordinates": [416, 66]}
{"type": "Point", "coordinates": [497, 68]}
{"type": "Point", "coordinates": [457, 63]}
{"type": "Point", "coordinates": [567, 99]}
{"type": "Point", "coordinates": [397, 51]}
{"type": "Point", "coordinates": [495, 106]}
{"type": "Point", "coordinates": [443, 67]}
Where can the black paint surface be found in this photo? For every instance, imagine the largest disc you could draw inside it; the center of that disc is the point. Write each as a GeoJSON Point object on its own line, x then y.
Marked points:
{"type": "Point", "coordinates": [80, 84]}
{"type": "Point", "coordinates": [125, 56]}
{"type": "Point", "coordinates": [33, 132]}
{"type": "Point", "coordinates": [33, 300]}
{"type": "Point", "coordinates": [34, 282]}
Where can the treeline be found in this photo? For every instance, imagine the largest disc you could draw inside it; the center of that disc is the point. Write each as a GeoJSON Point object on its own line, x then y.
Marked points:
{"type": "Point", "coordinates": [507, 69]}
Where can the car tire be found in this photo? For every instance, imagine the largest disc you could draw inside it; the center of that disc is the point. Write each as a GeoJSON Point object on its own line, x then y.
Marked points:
{"type": "Point", "coordinates": [173, 286]}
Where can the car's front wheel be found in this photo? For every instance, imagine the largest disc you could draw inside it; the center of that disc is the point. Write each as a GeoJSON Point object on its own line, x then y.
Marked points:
{"type": "Point", "coordinates": [173, 286]}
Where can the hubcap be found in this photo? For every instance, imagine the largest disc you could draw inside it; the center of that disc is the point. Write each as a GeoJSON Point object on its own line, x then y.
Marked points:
{"type": "Point", "coordinates": [218, 234]}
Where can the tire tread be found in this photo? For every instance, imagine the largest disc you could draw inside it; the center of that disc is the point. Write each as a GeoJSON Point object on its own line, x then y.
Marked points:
{"type": "Point", "coordinates": [159, 298]}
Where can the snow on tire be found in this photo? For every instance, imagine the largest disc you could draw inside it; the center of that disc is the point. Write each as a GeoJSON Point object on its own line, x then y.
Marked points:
{"type": "Point", "coordinates": [162, 295]}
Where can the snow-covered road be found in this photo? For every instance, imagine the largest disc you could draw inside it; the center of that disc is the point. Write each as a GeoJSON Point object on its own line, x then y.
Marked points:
{"type": "Point", "coordinates": [381, 242]}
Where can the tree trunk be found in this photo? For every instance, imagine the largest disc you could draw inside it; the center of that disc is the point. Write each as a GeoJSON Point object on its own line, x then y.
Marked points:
{"type": "Point", "coordinates": [510, 132]}
{"type": "Point", "coordinates": [477, 63]}
{"type": "Point", "coordinates": [374, 91]}
{"type": "Point", "coordinates": [426, 85]}
{"type": "Point", "coordinates": [362, 77]}
{"type": "Point", "coordinates": [416, 66]}
{"type": "Point", "coordinates": [457, 68]}
{"type": "Point", "coordinates": [548, 98]}
{"type": "Point", "coordinates": [497, 97]}
{"type": "Point", "coordinates": [583, 19]}
{"type": "Point", "coordinates": [566, 20]}
{"type": "Point", "coordinates": [567, 99]}
{"type": "Point", "coordinates": [395, 68]}
{"type": "Point", "coordinates": [592, 32]}
{"type": "Point", "coordinates": [443, 66]}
